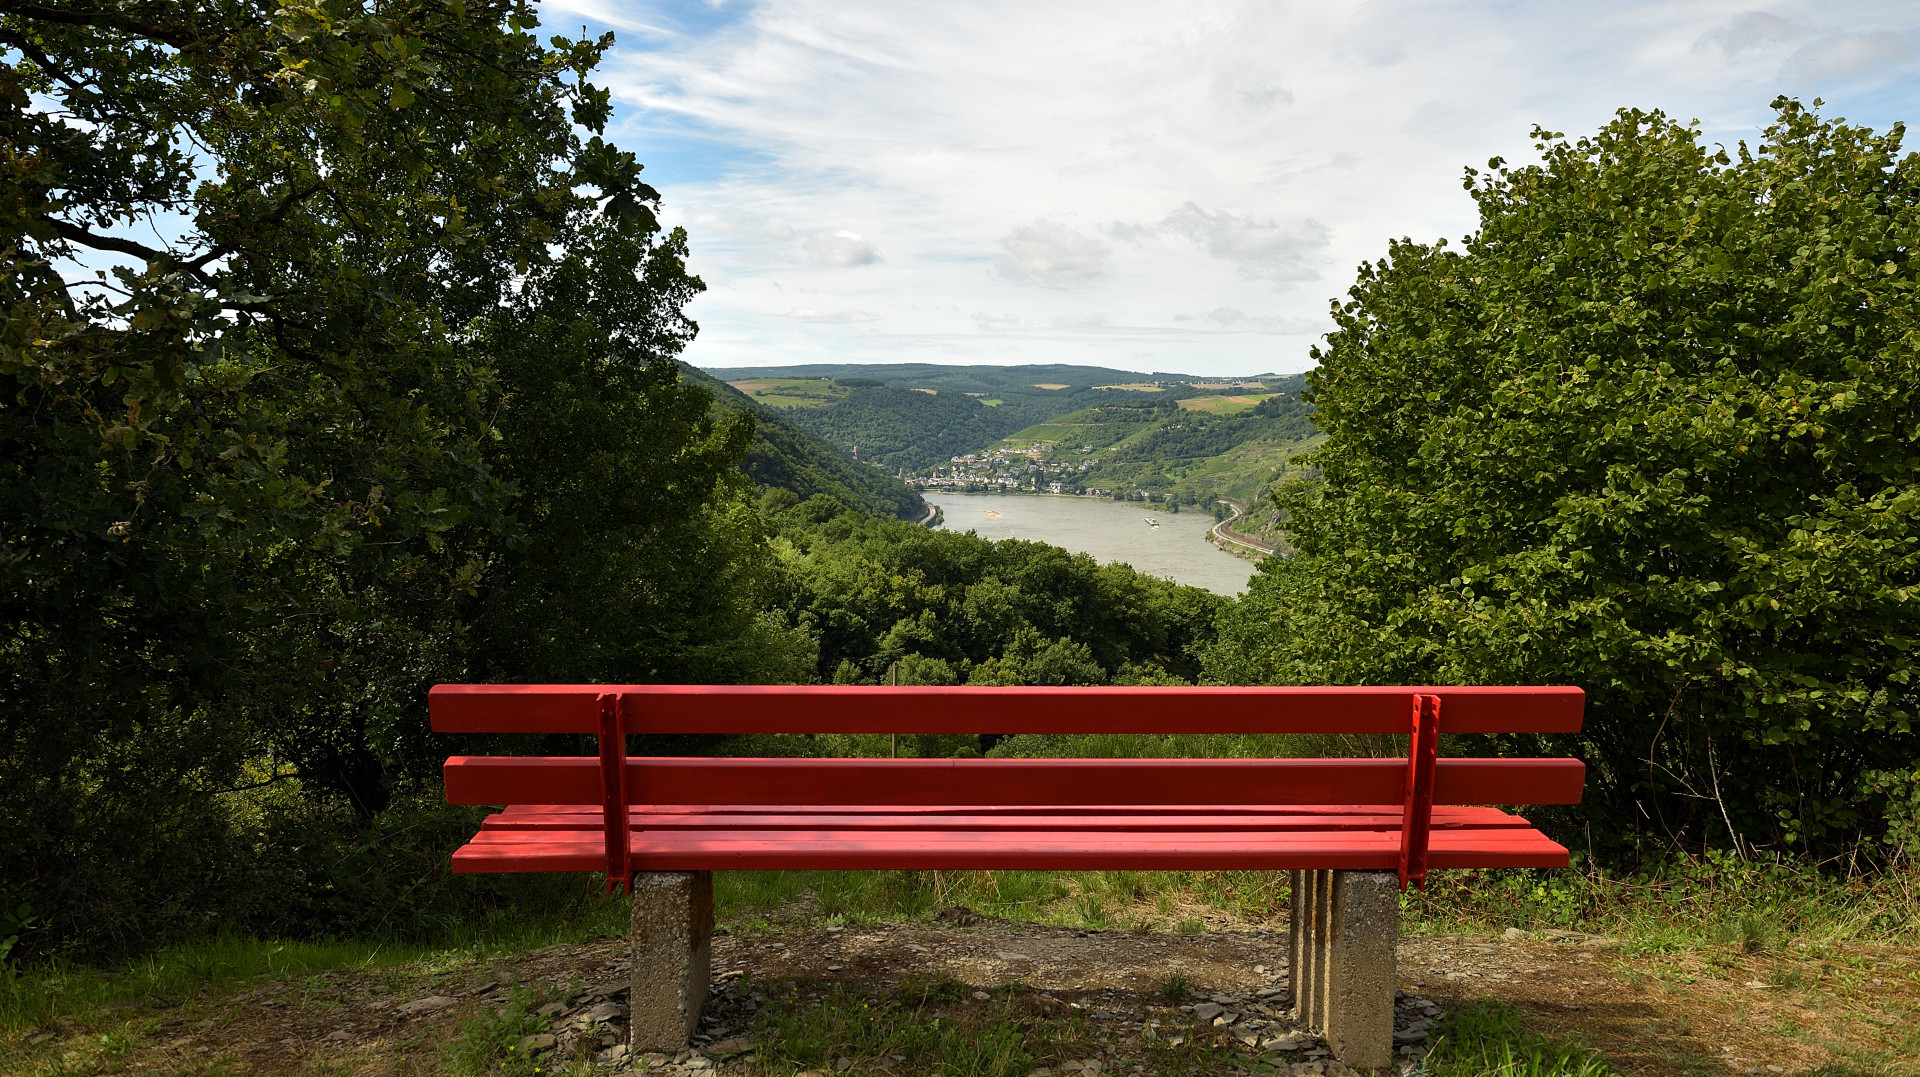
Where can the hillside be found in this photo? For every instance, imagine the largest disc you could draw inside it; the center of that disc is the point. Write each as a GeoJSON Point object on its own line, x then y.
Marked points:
{"type": "Point", "coordinates": [1185, 446]}
{"type": "Point", "coordinates": [788, 457]}
{"type": "Point", "coordinates": [1020, 395]}
{"type": "Point", "coordinates": [910, 429]}
{"type": "Point", "coordinates": [1065, 429]}
{"type": "Point", "coordinates": [991, 380]}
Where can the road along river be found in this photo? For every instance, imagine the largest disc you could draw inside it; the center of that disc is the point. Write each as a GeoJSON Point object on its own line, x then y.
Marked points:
{"type": "Point", "coordinates": [1106, 530]}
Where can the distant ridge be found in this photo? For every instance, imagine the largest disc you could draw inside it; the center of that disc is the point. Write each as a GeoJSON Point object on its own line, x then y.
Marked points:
{"type": "Point", "coordinates": [789, 458]}
{"type": "Point", "coordinates": [964, 378]}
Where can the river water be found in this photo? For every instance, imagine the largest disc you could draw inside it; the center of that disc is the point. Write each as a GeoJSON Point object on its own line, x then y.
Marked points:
{"type": "Point", "coordinates": [1107, 530]}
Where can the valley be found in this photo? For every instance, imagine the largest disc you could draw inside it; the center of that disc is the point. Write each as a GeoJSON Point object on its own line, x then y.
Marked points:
{"type": "Point", "coordinates": [1164, 438]}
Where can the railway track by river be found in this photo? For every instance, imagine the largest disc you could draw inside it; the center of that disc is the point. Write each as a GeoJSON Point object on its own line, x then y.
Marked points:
{"type": "Point", "coordinates": [1224, 529]}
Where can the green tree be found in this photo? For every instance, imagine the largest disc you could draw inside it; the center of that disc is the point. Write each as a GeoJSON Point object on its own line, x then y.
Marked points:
{"type": "Point", "coordinates": [1651, 431]}
{"type": "Point", "coordinates": [641, 557]}
{"type": "Point", "coordinates": [266, 445]}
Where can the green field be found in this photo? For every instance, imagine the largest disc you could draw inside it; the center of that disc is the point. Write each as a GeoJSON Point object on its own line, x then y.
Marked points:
{"type": "Point", "coordinates": [791, 392]}
{"type": "Point", "coordinates": [1224, 404]}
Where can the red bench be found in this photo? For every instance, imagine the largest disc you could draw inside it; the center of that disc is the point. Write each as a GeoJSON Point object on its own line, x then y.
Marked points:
{"type": "Point", "coordinates": [1337, 823]}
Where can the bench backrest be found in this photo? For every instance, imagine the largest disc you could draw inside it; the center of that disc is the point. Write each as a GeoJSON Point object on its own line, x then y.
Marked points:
{"type": "Point", "coordinates": [613, 781]}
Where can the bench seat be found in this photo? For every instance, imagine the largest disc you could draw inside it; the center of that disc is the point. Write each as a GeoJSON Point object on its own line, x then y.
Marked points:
{"type": "Point", "coordinates": [1039, 837]}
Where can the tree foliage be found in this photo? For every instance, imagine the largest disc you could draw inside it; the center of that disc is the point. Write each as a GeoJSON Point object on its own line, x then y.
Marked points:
{"type": "Point", "coordinates": [292, 334]}
{"type": "Point", "coordinates": [784, 456]}
{"type": "Point", "coordinates": [953, 608]}
{"type": "Point", "coordinates": [1650, 431]}
{"type": "Point", "coordinates": [907, 428]}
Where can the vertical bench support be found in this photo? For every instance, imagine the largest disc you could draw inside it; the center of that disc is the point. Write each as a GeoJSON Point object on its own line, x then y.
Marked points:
{"type": "Point", "coordinates": [1416, 819]}
{"type": "Point", "coordinates": [613, 793]}
{"type": "Point", "coordinates": [672, 957]}
{"type": "Point", "coordinates": [1345, 924]}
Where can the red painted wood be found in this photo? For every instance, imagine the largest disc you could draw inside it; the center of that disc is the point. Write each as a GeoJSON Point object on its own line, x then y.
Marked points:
{"type": "Point", "coordinates": [1122, 822]}
{"type": "Point", "coordinates": [1417, 816]}
{"type": "Point", "coordinates": [831, 850]}
{"type": "Point", "coordinates": [522, 780]}
{"type": "Point", "coordinates": [934, 813]}
{"type": "Point", "coordinates": [499, 708]}
{"type": "Point", "coordinates": [613, 794]}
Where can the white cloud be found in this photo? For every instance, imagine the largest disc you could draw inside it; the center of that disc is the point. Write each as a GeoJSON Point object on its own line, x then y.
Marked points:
{"type": "Point", "coordinates": [1052, 255]}
{"type": "Point", "coordinates": [1146, 159]}
{"type": "Point", "coordinates": [844, 317]}
{"type": "Point", "coordinates": [1751, 31]}
{"type": "Point", "coordinates": [1260, 249]}
{"type": "Point", "coordinates": [1080, 321]}
{"type": "Point", "coordinates": [735, 224]}
{"type": "Point", "coordinates": [1235, 319]}
{"type": "Point", "coordinates": [1000, 323]}
{"type": "Point", "coordinates": [840, 250]}
{"type": "Point", "coordinates": [1842, 57]}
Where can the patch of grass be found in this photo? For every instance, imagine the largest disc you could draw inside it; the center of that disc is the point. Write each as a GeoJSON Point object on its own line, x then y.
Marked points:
{"type": "Point", "coordinates": [1224, 404]}
{"type": "Point", "coordinates": [1683, 904]}
{"type": "Point", "coordinates": [1175, 987]}
{"type": "Point", "coordinates": [1485, 1039]}
{"type": "Point", "coordinates": [490, 1043]}
{"type": "Point", "coordinates": [37, 996]}
{"type": "Point", "coordinates": [873, 1030]}
{"type": "Point", "coordinates": [870, 896]}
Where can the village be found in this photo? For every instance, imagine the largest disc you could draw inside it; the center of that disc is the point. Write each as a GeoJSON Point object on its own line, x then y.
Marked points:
{"type": "Point", "coordinates": [1007, 469]}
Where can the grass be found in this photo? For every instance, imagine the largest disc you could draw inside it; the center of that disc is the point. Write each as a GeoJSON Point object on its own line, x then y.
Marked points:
{"type": "Point", "coordinates": [1485, 1039]}
{"type": "Point", "coordinates": [1720, 905]}
{"type": "Point", "coordinates": [1171, 901]}
{"type": "Point", "coordinates": [490, 1043]}
{"type": "Point", "coordinates": [1720, 910]}
{"type": "Point", "coordinates": [791, 392]}
{"type": "Point", "coordinates": [920, 1024]}
{"type": "Point", "coordinates": [943, 1027]}
{"type": "Point", "coordinates": [1683, 904]}
{"type": "Point", "coordinates": [37, 996]}
{"type": "Point", "coordinates": [1223, 404]}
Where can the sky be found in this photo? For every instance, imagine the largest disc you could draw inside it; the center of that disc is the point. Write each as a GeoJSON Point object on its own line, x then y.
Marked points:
{"type": "Point", "coordinates": [1147, 186]}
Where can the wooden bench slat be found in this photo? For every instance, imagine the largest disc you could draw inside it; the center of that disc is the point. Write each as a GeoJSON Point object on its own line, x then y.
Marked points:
{"type": "Point", "coordinates": [546, 780]}
{"type": "Point", "coordinates": [874, 821]}
{"type": "Point", "coordinates": [549, 708]}
{"type": "Point", "coordinates": [935, 813]}
{"type": "Point", "coordinates": [941, 849]}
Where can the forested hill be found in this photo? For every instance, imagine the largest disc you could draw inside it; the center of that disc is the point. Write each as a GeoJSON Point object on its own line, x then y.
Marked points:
{"type": "Point", "coordinates": [916, 417]}
{"type": "Point", "coordinates": [789, 458]}
{"type": "Point", "coordinates": [988, 380]}
{"type": "Point", "coordinates": [1176, 445]}
{"type": "Point", "coordinates": [912, 429]}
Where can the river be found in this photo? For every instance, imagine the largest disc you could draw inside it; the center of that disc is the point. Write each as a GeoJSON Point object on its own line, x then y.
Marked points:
{"type": "Point", "coordinates": [1106, 530]}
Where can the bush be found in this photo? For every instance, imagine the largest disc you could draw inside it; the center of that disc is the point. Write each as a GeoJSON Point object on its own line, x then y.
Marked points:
{"type": "Point", "coordinates": [1651, 433]}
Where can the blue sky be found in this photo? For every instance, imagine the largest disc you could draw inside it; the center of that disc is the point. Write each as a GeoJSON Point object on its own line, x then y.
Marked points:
{"type": "Point", "coordinates": [1147, 186]}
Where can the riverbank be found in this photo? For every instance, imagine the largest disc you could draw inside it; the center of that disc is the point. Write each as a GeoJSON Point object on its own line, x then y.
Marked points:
{"type": "Point", "coordinates": [1233, 541]}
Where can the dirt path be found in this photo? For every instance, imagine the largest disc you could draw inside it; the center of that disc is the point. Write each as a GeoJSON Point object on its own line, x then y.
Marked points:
{"type": "Point", "coordinates": [1851, 1009]}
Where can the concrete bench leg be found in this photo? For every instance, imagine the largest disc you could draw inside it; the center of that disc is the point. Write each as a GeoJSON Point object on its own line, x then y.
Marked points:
{"type": "Point", "coordinates": [1344, 927]}
{"type": "Point", "coordinates": [672, 957]}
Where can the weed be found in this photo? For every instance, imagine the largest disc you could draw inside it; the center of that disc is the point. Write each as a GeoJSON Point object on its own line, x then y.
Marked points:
{"type": "Point", "coordinates": [1681, 904]}
{"type": "Point", "coordinates": [1175, 987]}
{"type": "Point", "coordinates": [865, 1030]}
{"type": "Point", "coordinates": [490, 1043]}
{"type": "Point", "coordinates": [1484, 1039]}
